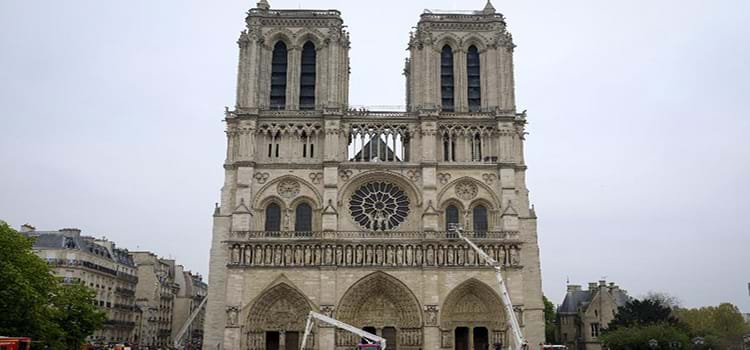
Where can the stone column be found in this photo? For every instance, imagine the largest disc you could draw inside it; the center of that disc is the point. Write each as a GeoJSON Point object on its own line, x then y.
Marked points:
{"type": "Point", "coordinates": [460, 81]}
{"type": "Point", "coordinates": [293, 77]}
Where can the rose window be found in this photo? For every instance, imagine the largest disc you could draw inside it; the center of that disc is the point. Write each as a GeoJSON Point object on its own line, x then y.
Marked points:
{"type": "Point", "coordinates": [379, 206]}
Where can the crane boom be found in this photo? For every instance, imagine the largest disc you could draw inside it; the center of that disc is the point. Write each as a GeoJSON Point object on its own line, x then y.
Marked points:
{"type": "Point", "coordinates": [187, 324]}
{"type": "Point", "coordinates": [320, 317]}
{"type": "Point", "coordinates": [520, 341]}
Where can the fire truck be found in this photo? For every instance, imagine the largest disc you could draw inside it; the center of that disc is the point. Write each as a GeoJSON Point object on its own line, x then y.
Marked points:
{"type": "Point", "coordinates": [15, 343]}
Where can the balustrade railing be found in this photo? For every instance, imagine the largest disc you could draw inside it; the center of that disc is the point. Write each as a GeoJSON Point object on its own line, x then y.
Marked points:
{"type": "Point", "coordinates": [371, 235]}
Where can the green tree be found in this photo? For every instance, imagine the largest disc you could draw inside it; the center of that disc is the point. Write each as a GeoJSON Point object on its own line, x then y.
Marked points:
{"type": "Point", "coordinates": [550, 321]}
{"type": "Point", "coordinates": [723, 326]}
{"type": "Point", "coordinates": [642, 313]}
{"type": "Point", "coordinates": [26, 288]}
{"type": "Point", "coordinates": [33, 303]}
{"type": "Point", "coordinates": [74, 309]}
{"type": "Point", "coordinates": [637, 337]}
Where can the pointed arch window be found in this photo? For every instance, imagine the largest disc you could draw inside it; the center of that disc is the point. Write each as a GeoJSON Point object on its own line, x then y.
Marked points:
{"type": "Point", "coordinates": [307, 77]}
{"type": "Point", "coordinates": [273, 219]}
{"type": "Point", "coordinates": [451, 216]}
{"type": "Point", "coordinates": [479, 216]}
{"type": "Point", "coordinates": [474, 92]}
{"type": "Point", "coordinates": [278, 76]}
{"type": "Point", "coordinates": [303, 218]}
{"type": "Point", "coordinates": [446, 79]}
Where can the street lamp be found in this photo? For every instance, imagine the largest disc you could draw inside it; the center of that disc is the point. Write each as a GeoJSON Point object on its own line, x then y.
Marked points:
{"type": "Point", "coordinates": [653, 344]}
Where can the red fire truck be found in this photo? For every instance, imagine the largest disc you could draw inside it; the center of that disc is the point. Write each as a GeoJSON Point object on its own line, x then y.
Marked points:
{"type": "Point", "coordinates": [11, 343]}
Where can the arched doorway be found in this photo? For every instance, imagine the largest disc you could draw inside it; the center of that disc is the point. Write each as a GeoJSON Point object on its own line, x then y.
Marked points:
{"type": "Point", "coordinates": [382, 303]}
{"type": "Point", "coordinates": [472, 318]}
{"type": "Point", "coordinates": [276, 320]}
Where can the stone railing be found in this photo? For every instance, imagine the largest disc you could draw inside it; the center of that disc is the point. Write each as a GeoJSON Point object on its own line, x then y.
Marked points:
{"type": "Point", "coordinates": [241, 236]}
{"type": "Point", "coordinates": [448, 252]}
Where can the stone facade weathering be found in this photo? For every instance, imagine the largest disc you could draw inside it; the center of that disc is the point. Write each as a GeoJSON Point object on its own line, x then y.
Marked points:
{"type": "Point", "coordinates": [345, 211]}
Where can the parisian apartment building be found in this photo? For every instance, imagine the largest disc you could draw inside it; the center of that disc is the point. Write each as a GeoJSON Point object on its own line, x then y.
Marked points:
{"type": "Point", "coordinates": [138, 291]}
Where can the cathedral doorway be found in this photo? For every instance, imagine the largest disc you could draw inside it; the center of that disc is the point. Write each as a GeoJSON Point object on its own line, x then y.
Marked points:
{"type": "Point", "coordinates": [389, 333]}
{"type": "Point", "coordinates": [272, 341]}
{"type": "Point", "coordinates": [276, 319]}
{"type": "Point", "coordinates": [473, 313]}
{"type": "Point", "coordinates": [462, 338]}
{"type": "Point", "coordinates": [291, 340]}
{"type": "Point", "coordinates": [382, 305]}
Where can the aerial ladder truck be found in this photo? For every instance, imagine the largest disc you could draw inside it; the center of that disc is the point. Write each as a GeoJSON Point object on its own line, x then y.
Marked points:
{"type": "Point", "coordinates": [518, 338]}
{"type": "Point", "coordinates": [188, 322]}
{"type": "Point", "coordinates": [372, 341]}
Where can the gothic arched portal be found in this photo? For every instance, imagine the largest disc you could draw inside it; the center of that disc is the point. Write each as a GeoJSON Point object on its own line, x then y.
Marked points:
{"type": "Point", "coordinates": [276, 320]}
{"type": "Point", "coordinates": [383, 303]}
{"type": "Point", "coordinates": [472, 316]}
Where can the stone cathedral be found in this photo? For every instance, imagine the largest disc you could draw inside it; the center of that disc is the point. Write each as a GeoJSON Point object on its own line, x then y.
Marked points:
{"type": "Point", "coordinates": [345, 211]}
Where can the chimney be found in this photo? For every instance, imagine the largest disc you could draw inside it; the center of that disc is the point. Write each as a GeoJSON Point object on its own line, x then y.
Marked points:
{"type": "Point", "coordinates": [592, 285]}
{"type": "Point", "coordinates": [602, 283]}
{"type": "Point", "coordinates": [573, 288]}
{"type": "Point", "coordinates": [27, 228]}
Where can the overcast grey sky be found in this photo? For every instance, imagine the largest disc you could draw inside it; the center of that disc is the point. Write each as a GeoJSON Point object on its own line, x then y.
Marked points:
{"type": "Point", "coordinates": [638, 154]}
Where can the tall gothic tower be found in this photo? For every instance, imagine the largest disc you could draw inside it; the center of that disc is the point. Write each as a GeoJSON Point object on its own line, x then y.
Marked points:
{"type": "Point", "coordinates": [345, 211]}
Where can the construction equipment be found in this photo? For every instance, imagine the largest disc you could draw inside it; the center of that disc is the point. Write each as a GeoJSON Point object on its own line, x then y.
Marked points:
{"type": "Point", "coordinates": [188, 322]}
{"type": "Point", "coordinates": [519, 340]}
{"type": "Point", "coordinates": [367, 336]}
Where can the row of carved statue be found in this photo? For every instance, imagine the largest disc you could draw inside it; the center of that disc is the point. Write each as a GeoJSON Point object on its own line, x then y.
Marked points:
{"type": "Point", "coordinates": [280, 255]}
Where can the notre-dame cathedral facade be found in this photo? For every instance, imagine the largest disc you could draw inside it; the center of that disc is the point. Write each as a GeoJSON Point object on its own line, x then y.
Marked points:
{"type": "Point", "coordinates": [345, 211]}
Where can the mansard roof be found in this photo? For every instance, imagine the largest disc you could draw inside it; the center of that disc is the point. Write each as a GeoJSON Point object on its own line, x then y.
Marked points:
{"type": "Point", "coordinates": [577, 298]}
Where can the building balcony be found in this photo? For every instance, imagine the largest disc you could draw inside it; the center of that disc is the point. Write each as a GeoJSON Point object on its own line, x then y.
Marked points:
{"type": "Point", "coordinates": [124, 307]}
{"type": "Point", "coordinates": [119, 323]}
{"type": "Point", "coordinates": [124, 291]}
{"type": "Point", "coordinates": [69, 280]}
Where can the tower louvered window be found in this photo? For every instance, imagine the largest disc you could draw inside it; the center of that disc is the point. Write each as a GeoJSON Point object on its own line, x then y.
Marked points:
{"type": "Point", "coordinates": [473, 79]}
{"type": "Point", "coordinates": [446, 78]}
{"type": "Point", "coordinates": [307, 77]}
{"type": "Point", "coordinates": [278, 76]}
{"type": "Point", "coordinates": [273, 219]}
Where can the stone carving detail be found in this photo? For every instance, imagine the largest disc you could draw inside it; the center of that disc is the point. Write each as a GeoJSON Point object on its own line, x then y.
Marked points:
{"type": "Point", "coordinates": [380, 300]}
{"type": "Point", "coordinates": [288, 188]}
{"type": "Point", "coordinates": [430, 315]}
{"type": "Point", "coordinates": [489, 178]}
{"type": "Point", "coordinates": [466, 190]}
{"type": "Point", "coordinates": [233, 316]}
{"type": "Point", "coordinates": [413, 174]}
{"type": "Point", "coordinates": [345, 174]}
{"type": "Point", "coordinates": [261, 177]}
{"type": "Point", "coordinates": [444, 178]}
{"type": "Point", "coordinates": [472, 301]}
{"type": "Point", "coordinates": [446, 339]}
{"type": "Point", "coordinates": [368, 254]}
{"type": "Point", "coordinates": [316, 177]}
{"type": "Point", "coordinates": [281, 307]}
